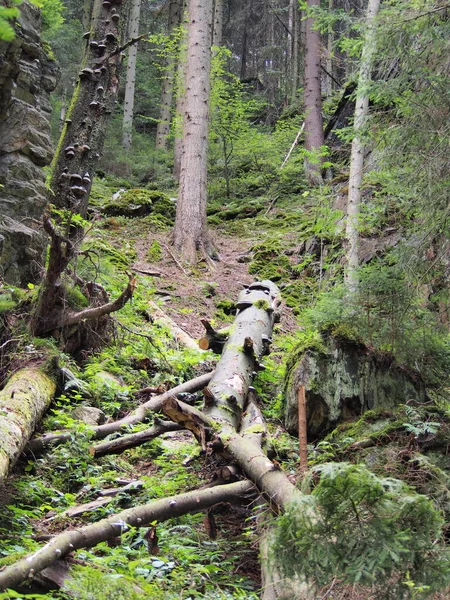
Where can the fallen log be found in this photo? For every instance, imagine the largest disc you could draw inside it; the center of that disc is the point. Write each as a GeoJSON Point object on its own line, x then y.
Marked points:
{"type": "Point", "coordinates": [23, 402]}
{"type": "Point", "coordinates": [213, 339]}
{"type": "Point", "coordinates": [179, 334]}
{"type": "Point", "coordinates": [40, 444]}
{"type": "Point", "coordinates": [249, 339]}
{"type": "Point", "coordinates": [141, 516]}
{"type": "Point", "coordinates": [133, 439]}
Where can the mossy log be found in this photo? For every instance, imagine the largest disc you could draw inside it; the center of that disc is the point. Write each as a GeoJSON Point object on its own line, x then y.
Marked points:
{"type": "Point", "coordinates": [115, 525]}
{"type": "Point", "coordinates": [23, 402]}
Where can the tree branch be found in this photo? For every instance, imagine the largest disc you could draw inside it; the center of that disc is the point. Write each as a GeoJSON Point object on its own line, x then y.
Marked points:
{"type": "Point", "coordinates": [140, 516]}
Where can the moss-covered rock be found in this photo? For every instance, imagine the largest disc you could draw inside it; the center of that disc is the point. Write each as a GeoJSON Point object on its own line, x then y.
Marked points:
{"type": "Point", "coordinates": [121, 258]}
{"type": "Point", "coordinates": [343, 382]}
{"type": "Point", "coordinates": [270, 261]}
{"type": "Point", "coordinates": [139, 203]}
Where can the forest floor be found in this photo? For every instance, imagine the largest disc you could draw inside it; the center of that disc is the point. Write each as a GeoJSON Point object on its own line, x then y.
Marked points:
{"type": "Point", "coordinates": [191, 559]}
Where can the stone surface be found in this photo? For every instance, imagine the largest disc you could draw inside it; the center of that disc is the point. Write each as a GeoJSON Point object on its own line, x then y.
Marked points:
{"type": "Point", "coordinates": [343, 383]}
{"type": "Point", "coordinates": [27, 76]}
{"type": "Point", "coordinates": [89, 415]}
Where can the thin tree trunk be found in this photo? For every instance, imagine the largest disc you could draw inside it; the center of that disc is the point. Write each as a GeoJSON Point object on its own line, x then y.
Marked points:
{"type": "Point", "coordinates": [168, 84]}
{"type": "Point", "coordinates": [191, 231]}
{"type": "Point", "coordinates": [130, 82]}
{"type": "Point", "coordinates": [314, 139]}
{"type": "Point", "coordinates": [302, 431]}
{"type": "Point", "coordinates": [23, 402]}
{"type": "Point", "coordinates": [357, 152]}
{"type": "Point", "coordinates": [87, 12]}
{"type": "Point", "coordinates": [115, 525]}
{"type": "Point", "coordinates": [329, 60]}
{"type": "Point", "coordinates": [217, 38]}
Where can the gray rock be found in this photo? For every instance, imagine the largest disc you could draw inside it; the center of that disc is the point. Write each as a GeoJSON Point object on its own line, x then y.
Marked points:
{"type": "Point", "coordinates": [89, 415]}
{"type": "Point", "coordinates": [27, 76]}
{"type": "Point", "coordinates": [343, 383]}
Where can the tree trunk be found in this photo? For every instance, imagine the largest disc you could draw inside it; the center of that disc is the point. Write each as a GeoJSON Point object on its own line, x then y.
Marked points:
{"type": "Point", "coordinates": [78, 151]}
{"type": "Point", "coordinates": [314, 139]}
{"type": "Point", "coordinates": [168, 84]}
{"type": "Point", "coordinates": [86, 17]}
{"type": "Point", "coordinates": [115, 525]}
{"type": "Point", "coordinates": [191, 232]}
{"type": "Point", "coordinates": [130, 83]}
{"type": "Point", "coordinates": [23, 402]}
{"type": "Point", "coordinates": [357, 152]}
{"type": "Point", "coordinates": [217, 38]}
{"type": "Point", "coordinates": [179, 105]}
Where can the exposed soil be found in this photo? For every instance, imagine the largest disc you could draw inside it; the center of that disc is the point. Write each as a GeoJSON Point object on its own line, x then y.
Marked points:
{"type": "Point", "coordinates": [189, 294]}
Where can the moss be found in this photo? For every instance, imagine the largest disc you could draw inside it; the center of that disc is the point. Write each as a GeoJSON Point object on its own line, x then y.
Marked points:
{"type": "Point", "coordinates": [121, 258]}
{"type": "Point", "coordinates": [269, 261]}
{"type": "Point", "coordinates": [140, 202]}
{"type": "Point", "coordinates": [261, 304]}
{"type": "Point", "coordinates": [154, 253]}
{"type": "Point", "coordinates": [75, 298]}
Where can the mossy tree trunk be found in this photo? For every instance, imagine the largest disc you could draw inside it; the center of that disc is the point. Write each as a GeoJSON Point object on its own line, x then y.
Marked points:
{"type": "Point", "coordinates": [23, 402]}
{"type": "Point", "coordinates": [77, 155]}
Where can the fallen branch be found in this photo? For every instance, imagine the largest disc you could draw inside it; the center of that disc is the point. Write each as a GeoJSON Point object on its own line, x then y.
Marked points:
{"type": "Point", "coordinates": [294, 143]}
{"type": "Point", "coordinates": [213, 340]}
{"type": "Point", "coordinates": [115, 525]}
{"type": "Point", "coordinates": [133, 439]}
{"type": "Point", "coordinates": [179, 334]}
{"type": "Point", "coordinates": [38, 445]}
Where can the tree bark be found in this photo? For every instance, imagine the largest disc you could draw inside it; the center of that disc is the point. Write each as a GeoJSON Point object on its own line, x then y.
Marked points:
{"type": "Point", "coordinates": [248, 340]}
{"type": "Point", "coordinates": [114, 526]}
{"type": "Point", "coordinates": [133, 439]}
{"type": "Point", "coordinates": [314, 139]}
{"type": "Point", "coordinates": [191, 231]}
{"type": "Point", "coordinates": [78, 151]}
{"type": "Point", "coordinates": [38, 445]}
{"type": "Point", "coordinates": [168, 84]}
{"type": "Point", "coordinates": [217, 38]}
{"type": "Point", "coordinates": [179, 104]}
{"type": "Point", "coordinates": [357, 152]}
{"type": "Point", "coordinates": [130, 81]}
{"type": "Point", "coordinates": [23, 402]}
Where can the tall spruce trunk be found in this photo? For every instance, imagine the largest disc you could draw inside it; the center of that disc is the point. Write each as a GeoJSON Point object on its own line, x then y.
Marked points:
{"type": "Point", "coordinates": [217, 38]}
{"type": "Point", "coordinates": [191, 232]}
{"type": "Point", "coordinates": [168, 84]}
{"type": "Point", "coordinates": [130, 82]}
{"type": "Point", "coordinates": [357, 152]}
{"type": "Point", "coordinates": [314, 138]}
{"type": "Point", "coordinates": [78, 152]}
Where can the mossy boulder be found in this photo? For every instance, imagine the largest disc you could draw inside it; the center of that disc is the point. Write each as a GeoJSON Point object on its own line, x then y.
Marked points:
{"type": "Point", "coordinates": [343, 380]}
{"type": "Point", "coordinates": [270, 261]}
{"type": "Point", "coordinates": [140, 203]}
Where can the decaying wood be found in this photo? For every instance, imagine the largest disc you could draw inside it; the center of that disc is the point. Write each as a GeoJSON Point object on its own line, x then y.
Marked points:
{"type": "Point", "coordinates": [133, 439]}
{"type": "Point", "coordinates": [23, 402]}
{"type": "Point", "coordinates": [250, 336]}
{"type": "Point", "coordinates": [112, 527]}
{"type": "Point", "coordinates": [213, 340]}
{"type": "Point", "coordinates": [38, 445]}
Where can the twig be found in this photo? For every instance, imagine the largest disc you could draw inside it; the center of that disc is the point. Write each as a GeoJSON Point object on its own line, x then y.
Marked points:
{"type": "Point", "coordinates": [297, 137]}
{"type": "Point", "coordinates": [149, 273]}
{"type": "Point", "coordinates": [175, 260]}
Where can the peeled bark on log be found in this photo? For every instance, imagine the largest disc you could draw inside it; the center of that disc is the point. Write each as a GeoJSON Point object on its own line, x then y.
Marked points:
{"type": "Point", "coordinates": [38, 445]}
{"type": "Point", "coordinates": [250, 336]}
{"type": "Point", "coordinates": [133, 439]}
{"type": "Point", "coordinates": [115, 525]}
{"type": "Point", "coordinates": [23, 402]}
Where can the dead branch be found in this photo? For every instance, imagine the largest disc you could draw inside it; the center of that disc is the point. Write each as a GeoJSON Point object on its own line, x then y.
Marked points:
{"type": "Point", "coordinates": [115, 525]}
{"type": "Point", "coordinates": [133, 439]}
{"type": "Point", "coordinates": [38, 445]}
{"type": "Point", "coordinates": [179, 334]}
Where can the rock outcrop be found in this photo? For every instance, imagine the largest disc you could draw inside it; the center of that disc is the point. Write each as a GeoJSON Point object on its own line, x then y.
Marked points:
{"type": "Point", "coordinates": [27, 76]}
{"type": "Point", "coordinates": [343, 382]}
